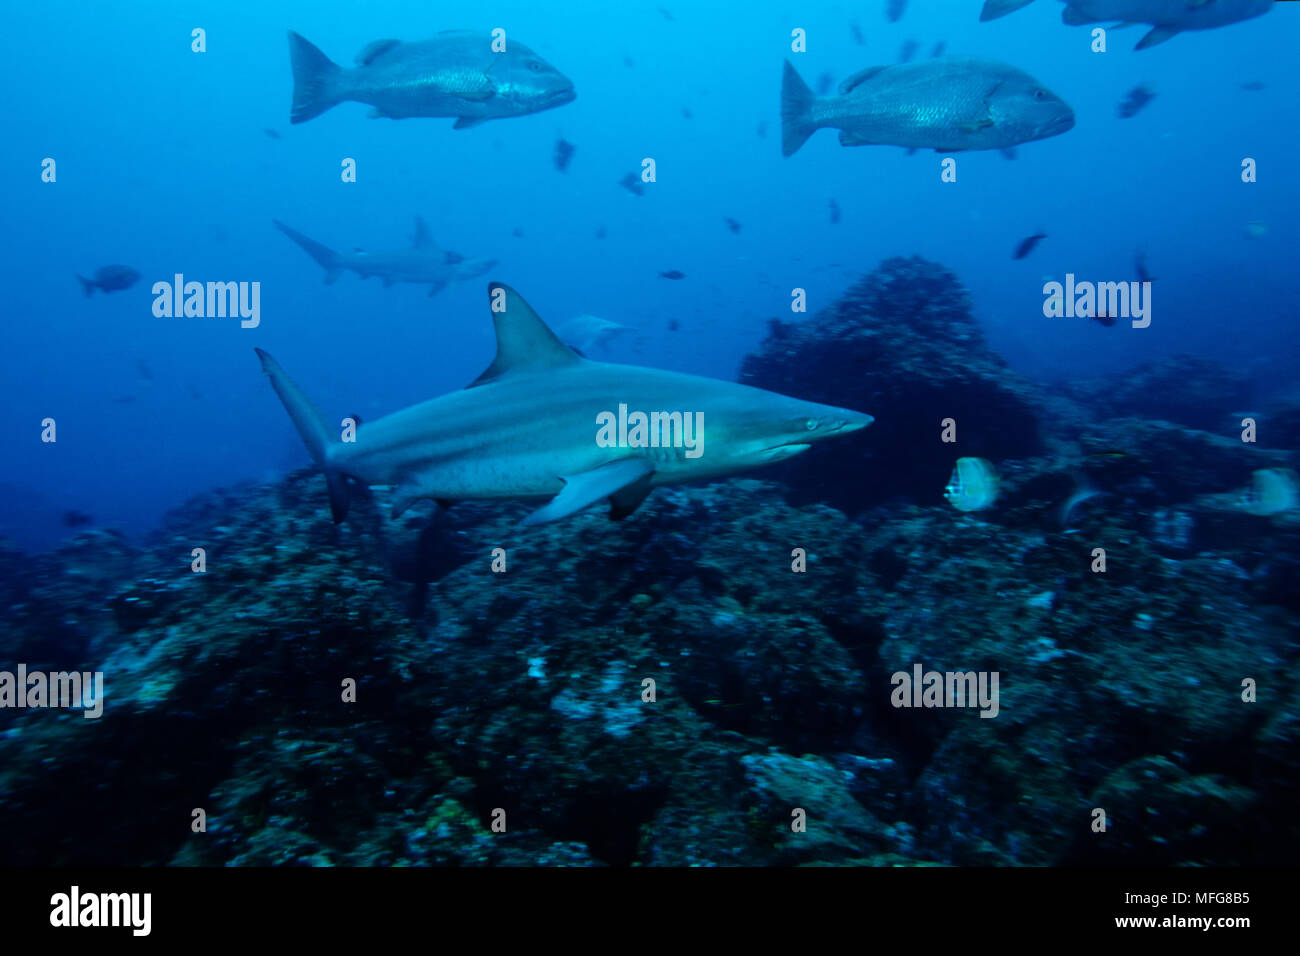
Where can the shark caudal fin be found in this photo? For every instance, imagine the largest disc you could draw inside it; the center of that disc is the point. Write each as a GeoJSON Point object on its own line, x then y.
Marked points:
{"type": "Point", "coordinates": [313, 428]}
{"type": "Point", "coordinates": [87, 286]}
{"type": "Point", "coordinates": [314, 80]}
{"type": "Point", "coordinates": [796, 111]}
{"type": "Point", "coordinates": [326, 257]}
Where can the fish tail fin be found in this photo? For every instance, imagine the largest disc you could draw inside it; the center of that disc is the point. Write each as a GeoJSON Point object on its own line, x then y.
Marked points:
{"type": "Point", "coordinates": [314, 430]}
{"type": "Point", "coordinates": [1000, 8]}
{"type": "Point", "coordinates": [87, 286]}
{"type": "Point", "coordinates": [325, 257]}
{"type": "Point", "coordinates": [314, 80]}
{"type": "Point", "coordinates": [796, 111]}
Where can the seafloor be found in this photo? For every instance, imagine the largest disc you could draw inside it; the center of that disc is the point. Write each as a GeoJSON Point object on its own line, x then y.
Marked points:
{"type": "Point", "coordinates": [523, 690]}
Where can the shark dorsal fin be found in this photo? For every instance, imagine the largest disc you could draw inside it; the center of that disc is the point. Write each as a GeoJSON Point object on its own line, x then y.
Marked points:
{"type": "Point", "coordinates": [524, 342]}
{"type": "Point", "coordinates": [422, 238]}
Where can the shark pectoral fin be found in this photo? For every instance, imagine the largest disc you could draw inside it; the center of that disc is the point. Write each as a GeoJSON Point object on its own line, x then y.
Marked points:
{"type": "Point", "coordinates": [465, 122]}
{"type": "Point", "coordinates": [625, 501]}
{"type": "Point", "coordinates": [585, 489]}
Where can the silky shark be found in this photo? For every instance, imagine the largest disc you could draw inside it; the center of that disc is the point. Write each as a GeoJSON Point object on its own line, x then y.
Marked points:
{"type": "Point", "coordinates": [423, 263]}
{"type": "Point", "coordinates": [531, 427]}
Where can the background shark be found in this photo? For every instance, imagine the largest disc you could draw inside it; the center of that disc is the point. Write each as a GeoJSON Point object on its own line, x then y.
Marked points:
{"type": "Point", "coordinates": [527, 427]}
{"type": "Point", "coordinates": [423, 263]}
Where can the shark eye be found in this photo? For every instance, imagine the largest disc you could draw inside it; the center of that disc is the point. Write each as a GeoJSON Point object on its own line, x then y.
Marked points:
{"type": "Point", "coordinates": [811, 424]}
{"type": "Point", "coordinates": [1039, 94]}
{"type": "Point", "coordinates": [535, 66]}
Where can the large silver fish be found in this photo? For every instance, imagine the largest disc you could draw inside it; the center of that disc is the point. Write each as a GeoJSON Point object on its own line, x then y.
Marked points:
{"type": "Point", "coordinates": [946, 104]}
{"type": "Point", "coordinates": [1166, 17]}
{"type": "Point", "coordinates": [454, 74]}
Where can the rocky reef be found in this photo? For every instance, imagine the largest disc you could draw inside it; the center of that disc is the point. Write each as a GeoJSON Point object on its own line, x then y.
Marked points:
{"type": "Point", "coordinates": [711, 680]}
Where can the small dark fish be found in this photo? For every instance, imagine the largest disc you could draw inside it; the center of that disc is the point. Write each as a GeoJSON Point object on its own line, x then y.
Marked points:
{"type": "Point", "coordinates": [686, 112]}
{"type": "Point", "coordinates": [632, 183]}
{"type": "Point", "coordinates": [1104, 319]}
{"type": "Point", "coordinates": [1135, 100]}
{"type": "Point", "coordinates": [1027, 245]}
{"type": "Point", "coordinates": [563, 153]}
{"type": "Point", "coordinates": [835, 211]}
{"type": "Point", "coordinates": [629, 62]}
{"type": "Point", "coordinates": [143, 370]}
{"type": "Point", "coordinates": [939, 48]}
{"type": "Point", "coordinates": [762, 131]}
{"type": "Point", "coordinates": [517, 233]}
{"type": "Point", "coordinates": [672, 274]}
{"type": "Point", "coordinates": [1253, 85]}
{"type": "Point", "coordinates": [110, 279]}
{"type": "Point", "coordinates": [270, 132]}
{"type": "Point", "coordinates": [1140, 264]}
{"type": "Point", "coordinates": [908, 51]}
{"type": "Point", "coordinates": [673, 325]}
{"type": "Point", "coordinates": [600, 232]}
{"type": "Point", "coordinates": [732, 225]}
{"type": "Point", "coordinates": [77, 519]}
{"type": "Point", "coordinates": [857, 34]}
{"type": "Point", "coordinates": [894, 10]}
{"type": "Point", "coordinates": [824, 83]}
{"type": "Point", "coordinates": [124, 399]}
{"type": "Point", "coordinates": [667, 14]}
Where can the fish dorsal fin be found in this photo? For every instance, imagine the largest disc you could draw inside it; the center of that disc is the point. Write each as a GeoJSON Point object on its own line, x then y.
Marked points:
{"type": "Point", "coordinates": [860, 77]}
{"type": "Point", "coordinates": [422, 239]}
{"type": "Point", "coordinates": [373, 51]}
{"type": "Point", "coordinates": [524, 342]}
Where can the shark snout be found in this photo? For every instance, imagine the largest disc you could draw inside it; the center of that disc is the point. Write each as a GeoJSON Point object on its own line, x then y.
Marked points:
{"type": "Point", "coordinates": [841, 421]}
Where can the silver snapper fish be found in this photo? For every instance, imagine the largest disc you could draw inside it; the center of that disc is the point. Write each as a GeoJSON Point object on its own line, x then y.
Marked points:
{"type": "Point", "coordinates": [1166, 17]}
{"type": "Point", "coordinates": [423, 263]}
{"type": "Point", "coordinates": [454, 74]}
{"type": "Point", "coordinates": [946, 104]}
{"type": "Point", "coordinates": [528, 427]}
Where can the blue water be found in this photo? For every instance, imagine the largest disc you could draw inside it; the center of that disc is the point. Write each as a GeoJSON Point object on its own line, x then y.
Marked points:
{"type": "Point", "coordinates": [163, 164]}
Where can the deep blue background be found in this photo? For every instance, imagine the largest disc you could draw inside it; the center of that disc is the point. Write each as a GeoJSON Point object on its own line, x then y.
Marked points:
{"type": "Point", "coordinates": [163, 164]}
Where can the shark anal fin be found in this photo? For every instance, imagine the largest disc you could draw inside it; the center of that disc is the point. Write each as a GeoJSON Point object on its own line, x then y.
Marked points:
{"type": "Point", "coordinates": [405, 495]}
{"type": "Point", "coordinates": [585, 489]}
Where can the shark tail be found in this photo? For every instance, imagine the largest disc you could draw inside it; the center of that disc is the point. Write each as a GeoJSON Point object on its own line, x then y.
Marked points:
{"type": "Point", "coordinates": [796, 111]}
{"type": "Point", "coordinates": [313, 428]}
{"type": "Point", "coordinates": [87, 286]}
{"type": "Point", "coordinates": [315, 86]}
{"type": "Point", "coordinates": [1000, 8]}
{"type": "Point", "coordinates": [326, 257]}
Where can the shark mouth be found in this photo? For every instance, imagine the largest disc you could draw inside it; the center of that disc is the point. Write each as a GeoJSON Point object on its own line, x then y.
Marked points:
{"type": "Point", "coordinates": [781, 452]}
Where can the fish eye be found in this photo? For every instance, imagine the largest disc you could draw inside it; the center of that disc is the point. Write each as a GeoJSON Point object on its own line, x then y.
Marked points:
{"type": "Point", "coordinates": [1040, 94]}
{"type": "Point", "coordinates": [535, 66]}
{"type": "Point", "coordinates": [811, 424]}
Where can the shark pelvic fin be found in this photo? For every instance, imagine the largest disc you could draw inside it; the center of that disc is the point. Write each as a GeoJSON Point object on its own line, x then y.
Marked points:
{"type": "Point", "coordinates": [524, 342]}
{"type": "Point", "coordinates": [618, 478]}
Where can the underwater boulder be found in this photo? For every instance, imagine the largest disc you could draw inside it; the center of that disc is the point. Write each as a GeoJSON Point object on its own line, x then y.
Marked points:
{"type": "Point", "coordinates": [902, 345]}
